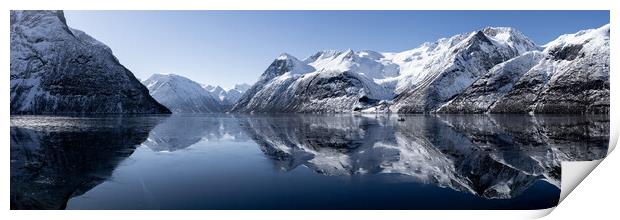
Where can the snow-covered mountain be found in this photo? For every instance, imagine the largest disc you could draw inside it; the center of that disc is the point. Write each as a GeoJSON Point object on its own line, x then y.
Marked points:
{"type": "Point", "coordinates": [56, 69]}
{"type": "Point", "coordinates": [571, 75]}
{"type": "Point", "coordinates": [227, 98]}
{"type": "Point", "coordinates": [485, 91]}
{"type": "Point", "coordinates": [181, 95]}
{"type": "Point", "coordinates": [461, 60]}
{"type": "Point", "coordinates": [328, 81]}
{"type": "Point", "coordinates": [495, 69]}
{"type": "Point", "coordinates": [342, 81]}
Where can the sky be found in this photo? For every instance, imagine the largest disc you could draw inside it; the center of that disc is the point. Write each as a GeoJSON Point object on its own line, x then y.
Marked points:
{"type": "Point", "coordinates": [230, 47]}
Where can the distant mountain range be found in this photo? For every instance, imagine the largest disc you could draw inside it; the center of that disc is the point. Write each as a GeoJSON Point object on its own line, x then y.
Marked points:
{"type": "Point", "coordinates": [182, 95]}
{"type": "Point", "coordinates": [227, 97]}
{"type": "Point", "coordinates": [56, 69]}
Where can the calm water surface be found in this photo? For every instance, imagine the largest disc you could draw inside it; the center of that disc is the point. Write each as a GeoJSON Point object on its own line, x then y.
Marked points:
{"type": "Point", "coordinates": [297, 161]}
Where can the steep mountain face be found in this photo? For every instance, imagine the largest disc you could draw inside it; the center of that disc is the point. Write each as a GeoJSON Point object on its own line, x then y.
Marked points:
{"type": "Point", "coordinates": [181, 95]}
{"type": "Point", "coordinates": [572, 78]}
{"type": "Point", "coordinates": [227, 98]}
{"type": "Point", "coordinates": [421, 79]}
{"type": "Point", "coordinates": [56, 70]}
{"type": "Point", "coordinates": [489, 88]}
{"type": "Point", "coordinates": [462, 60]}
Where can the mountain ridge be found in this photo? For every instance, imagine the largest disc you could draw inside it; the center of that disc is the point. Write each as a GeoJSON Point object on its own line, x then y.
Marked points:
{"type": "Point", "coordinates": [426, 79]}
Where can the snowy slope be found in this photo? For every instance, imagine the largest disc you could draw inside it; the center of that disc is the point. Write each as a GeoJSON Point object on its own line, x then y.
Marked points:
{"type": "Point", "coordinates": [454, 65]}
{"type": "Point", "coordinates": [326, 82]}
{"type": "Point", "coordinates": [181, 95]}
{"type": "Point", "coordinates": [344, 81]}
{"type": "Point", "coordinates": [572, 78]}
{"type": "Point", "coordinates": [485, 91]}
{"type": "Point", "coordinates": [56, 69]}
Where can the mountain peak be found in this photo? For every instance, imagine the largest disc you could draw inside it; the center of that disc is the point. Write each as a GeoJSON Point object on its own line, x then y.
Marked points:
{"type": "Point", "coordinates": [494, 31]}
{"type": "Point", "coordinates": [511, 37]}
{"type": "Point", "coordinates": [168, 77]}
{"type": "Point", "coordinates": [31, 15]}
{"type": "Point", "coordinates": [285, 63]}
{"type": "Point", "coordinates": [286, 56]}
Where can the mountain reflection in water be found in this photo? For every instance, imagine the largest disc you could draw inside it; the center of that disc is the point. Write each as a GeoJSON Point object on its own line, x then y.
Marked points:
{"type": "Point", "coordinates": [494, 158]}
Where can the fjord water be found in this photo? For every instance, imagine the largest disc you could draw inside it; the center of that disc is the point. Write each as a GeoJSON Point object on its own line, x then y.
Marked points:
{"type": "Point", "coordinates": [297, 161]}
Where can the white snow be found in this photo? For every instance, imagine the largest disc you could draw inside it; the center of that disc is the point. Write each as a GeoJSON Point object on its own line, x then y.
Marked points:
{"type": "Point", "coordinates": [599, 35]}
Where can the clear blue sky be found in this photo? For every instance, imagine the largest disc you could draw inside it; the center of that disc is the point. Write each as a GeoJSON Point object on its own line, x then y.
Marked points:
{"type": "Point", "coordinates": [229, 47]}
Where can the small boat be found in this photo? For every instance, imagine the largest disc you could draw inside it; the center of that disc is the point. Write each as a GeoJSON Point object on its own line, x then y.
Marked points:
{"type": "Point", "coordinates": [400, 119]}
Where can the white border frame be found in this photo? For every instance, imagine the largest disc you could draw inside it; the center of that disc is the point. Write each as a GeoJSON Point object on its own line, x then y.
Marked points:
{"type": "Point", "coordinates": [312, 5]}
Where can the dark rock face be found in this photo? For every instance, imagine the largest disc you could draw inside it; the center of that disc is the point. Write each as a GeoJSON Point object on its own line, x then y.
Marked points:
{"type": "Point", "coordinates": [483, 93]}
{"type": "Point", "coordinates": [567, 53]}
{"type": "Point", "coordinates": [55, 70]}
{"type": "Point", "coordinates": [492, 156]}
{"type": "Point", "coordinates": [54, 159]}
